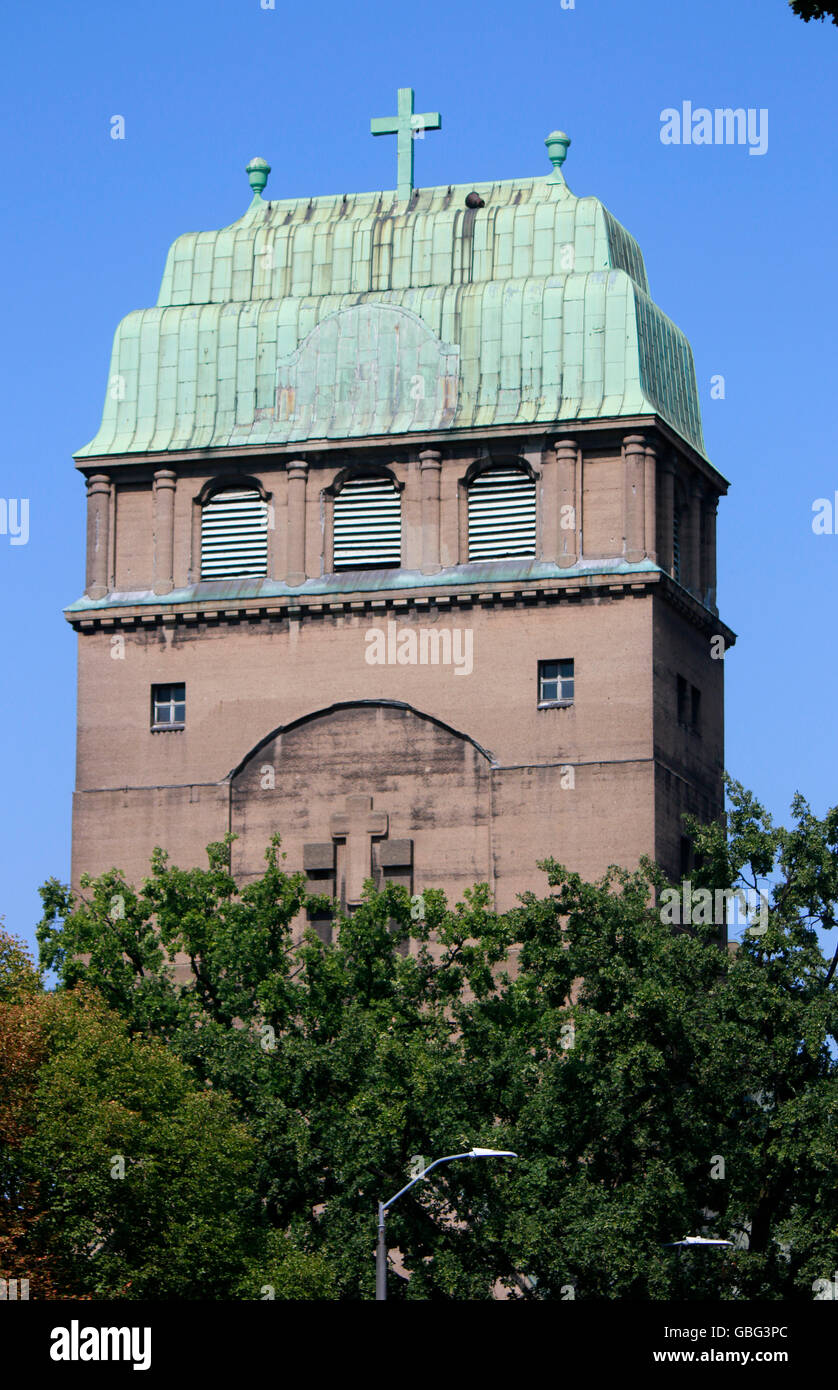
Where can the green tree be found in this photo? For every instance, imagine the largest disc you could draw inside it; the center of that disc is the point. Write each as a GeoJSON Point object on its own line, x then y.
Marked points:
{"type": "Point", "coordinates": [145, 1178]}
{"type": "Point", "coordinates": [120, 1175]}
{"type": "Point", "coordinates": [813, 9]}
{"type": "Point", "coordinates": [653, 1084]}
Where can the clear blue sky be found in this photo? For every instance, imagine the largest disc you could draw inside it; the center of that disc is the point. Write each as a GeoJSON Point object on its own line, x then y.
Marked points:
{"type": "Point", "coordinates": [740, 252]}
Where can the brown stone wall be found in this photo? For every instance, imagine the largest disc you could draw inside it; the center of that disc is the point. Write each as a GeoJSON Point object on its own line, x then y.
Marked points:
{"type": "Point", "coordinates": [690, 762]}
{"type": "Point", "coordinates": [134, 540]}
{"type": "Point", "coordinates": [247, 679]}
{"type": "Point", "coordinates": [119, 828]}
{"type": "Point", "coordinates": [603, 523]}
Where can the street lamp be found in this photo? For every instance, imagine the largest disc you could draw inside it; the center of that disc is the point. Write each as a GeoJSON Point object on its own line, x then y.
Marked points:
{"type": "Point", "coordinates": [698, 1240]}
{"type": "Point", "coordinates": [384, 1207]}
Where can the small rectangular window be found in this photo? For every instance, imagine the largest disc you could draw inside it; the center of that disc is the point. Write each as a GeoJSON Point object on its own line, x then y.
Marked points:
{"type": "Point", "coordinates": [682, 700]}
{"type": "Point", "coordinates": [695, 711]}
{"type": "Point", "coordinates": [555, 682]}
{"type": "Point", "coordinates": [168, 706]}
{"type": "Point", "coordinates": [685, 856]}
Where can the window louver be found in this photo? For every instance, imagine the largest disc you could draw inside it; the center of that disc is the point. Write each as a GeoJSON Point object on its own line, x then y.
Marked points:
{"type": "Point", "coordinates": [234, 535]}
{"type": "Point", "coordinates": [501, 515]}
{"type": "Point", "coordinates": [367, 524]}
{"type": "Point", "coordinates": [676, 544]}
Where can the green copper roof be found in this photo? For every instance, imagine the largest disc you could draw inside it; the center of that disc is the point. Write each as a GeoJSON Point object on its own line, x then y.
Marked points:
{"type": "Point", "coordinates": [341, 317]}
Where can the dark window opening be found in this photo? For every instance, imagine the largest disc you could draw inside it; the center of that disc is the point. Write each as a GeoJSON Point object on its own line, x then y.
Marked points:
{"type": "Point", "coordinates": [685, 856]}
{"type": "Point", "coordinates": [689, 705]}
{"type": "Point", "coordinates": [682, 700]}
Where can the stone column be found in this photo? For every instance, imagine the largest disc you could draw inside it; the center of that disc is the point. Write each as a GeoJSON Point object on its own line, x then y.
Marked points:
{"type": "Point", "coordinates": [667, 526]}
{"type": "Point", "coordinates": [567, 463]}
{"type": "Point", "coordinates": [430, 463]}
{"type": "Point", "coordinates": [691, 577]}
{"type": "Point", "coordinates": [165, 482]}
{"type": "Point", "coordinates": [710, 510]}
{"type": "Point", "coordinates": [651, 546]}
{"type": "Point", "coordinates": [634, 467]}
{"type": "Point", "coordinates": [296, 544]}
{"type": "Point", "coordinates": [98, 534]}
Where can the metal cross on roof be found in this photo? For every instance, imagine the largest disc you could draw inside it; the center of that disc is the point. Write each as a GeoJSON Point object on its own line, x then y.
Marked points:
{"type": "Point", "coordinates": [407, 127]}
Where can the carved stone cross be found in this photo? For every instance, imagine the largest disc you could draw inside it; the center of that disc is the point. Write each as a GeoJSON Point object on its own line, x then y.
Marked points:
{"type": "Point", "coordinates": [357, 825]}
{"type": "Point", "coordinates": [358, 850]}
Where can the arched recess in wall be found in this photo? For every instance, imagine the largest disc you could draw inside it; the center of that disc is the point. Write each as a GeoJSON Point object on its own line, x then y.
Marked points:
{"type": "Point", "coordinates": [498, 510]}
{"type": "Point", "coordinates": [421, 789]}
{"type": "Point", "coordinates": [232, 527]}
{"type": "Point", "coordinates": [363, 519]}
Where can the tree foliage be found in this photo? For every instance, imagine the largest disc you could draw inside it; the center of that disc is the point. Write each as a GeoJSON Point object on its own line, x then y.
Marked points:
{"type": "Point", "coordinates": [813, 9]}
{"type": "Point", "coordinates": [271, 1089]}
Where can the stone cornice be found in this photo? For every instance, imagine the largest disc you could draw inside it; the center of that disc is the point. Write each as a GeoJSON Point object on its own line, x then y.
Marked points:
{"type": "Point", "coordinates": [408, 445]}
{"type": "Point", "coordinates": [421, 599]}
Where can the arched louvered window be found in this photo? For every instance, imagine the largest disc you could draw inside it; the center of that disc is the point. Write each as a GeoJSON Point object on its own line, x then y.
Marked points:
{"type": "Point", "coordinates": [367, 524]}
{"type": "Point", "coordinates": [676, 543]}
{"type": "Point", "coordinates": [234, 534]}
{"type": "Point", "coordinates": [501, 515]}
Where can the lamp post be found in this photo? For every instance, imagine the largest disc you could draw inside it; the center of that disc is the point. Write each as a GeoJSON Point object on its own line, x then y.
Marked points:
{"type": "Point", "coordinates": [384, 1207]}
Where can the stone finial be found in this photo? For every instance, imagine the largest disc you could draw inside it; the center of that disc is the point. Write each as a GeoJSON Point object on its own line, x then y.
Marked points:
{"type": "Point", "coordinates": [257, 173]}
{"type": "Point", "coordinates": [557, 146]}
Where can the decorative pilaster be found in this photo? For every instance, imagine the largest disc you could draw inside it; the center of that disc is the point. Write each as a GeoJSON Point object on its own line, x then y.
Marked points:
{"type": "Point", "coordinates": [634, 456]}
{"type": "Point", "coordinates": [651, 544]}
{"type": "Point", "coordinates": [296, 542]}
{"type": "Point", "coordinates": [667, 515]}
{"type": "Point", "coordinates": [430, 463]}
{"type": "Point", "coordinates": [567, 465]}
{"type": "Point", "coordinates": [691, 577]}
{"type": "Point", "coordinates": [165, 482]}
{"type": "Point", "coordinates": [98, 534]}
{"type": "Point", "coordinates": [710, 511]}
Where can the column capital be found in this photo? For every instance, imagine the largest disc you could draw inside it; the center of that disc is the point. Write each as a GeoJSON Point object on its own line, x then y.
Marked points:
{"type": "Point", "coordinates": [165, 477]}
{"type": "Point", "coordinates": [98, 483]}
{"type": "Point", "coordinates": [566, 446]}
{"type": "Point", "coordinates": [430, 458]}
{"type": "Point", "coordinates": [635, 443]}
{"type": "Point", "coordinates": [297, 467]}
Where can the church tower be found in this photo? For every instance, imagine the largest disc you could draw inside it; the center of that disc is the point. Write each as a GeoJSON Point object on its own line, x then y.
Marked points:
{"type": "Point", "coordinates": [401, 543]}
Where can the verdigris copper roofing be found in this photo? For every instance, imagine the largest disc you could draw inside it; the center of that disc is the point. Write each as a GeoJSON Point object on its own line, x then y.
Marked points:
{"type": "Point", "coordinates": [347, 317]}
